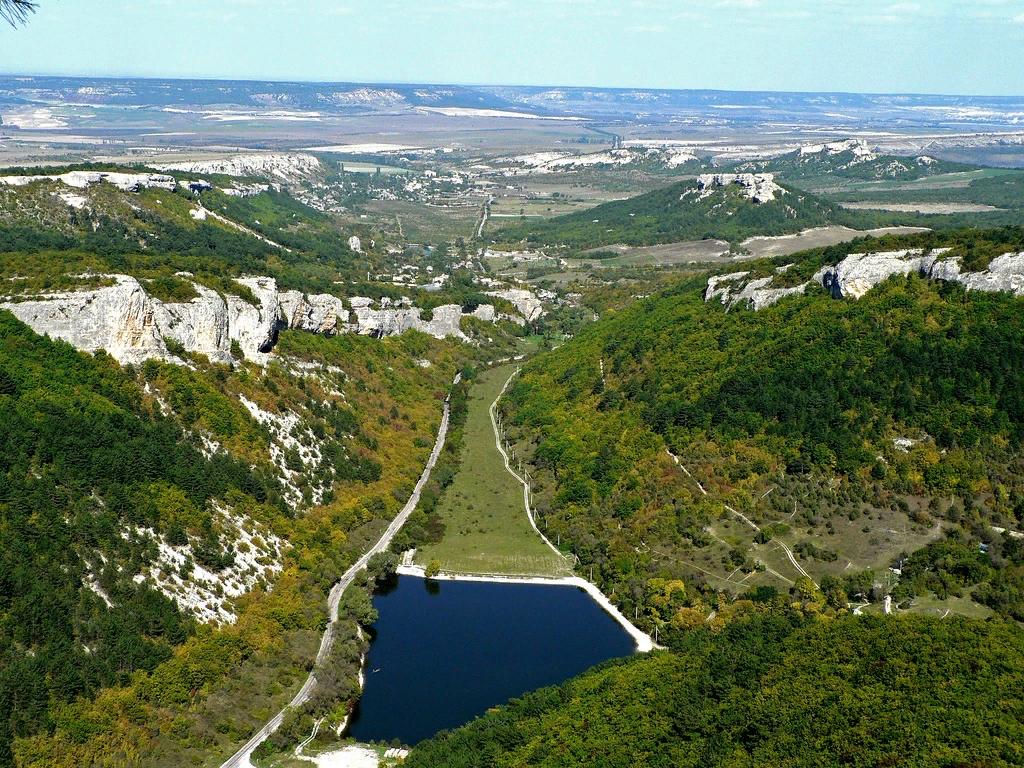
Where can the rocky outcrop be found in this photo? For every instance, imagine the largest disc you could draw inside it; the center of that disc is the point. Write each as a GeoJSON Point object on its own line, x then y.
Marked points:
{"type": "Point", "coordinates": [320, 313]}
{"type": "Point", "coordinates": [857, 147]}
{"type": "Point", "coordinates": [759, 187]}
{"type": "Point", "coordinates": [127, 182]}
{"type": "Point", "coordinates": [133, 326]}
{"type": "Point", "coordinates": [324, 313]}
{"type": "Point", "coordinates": [526, 302]}
{"type": "Point", "coordinates": [117, 318]}
{"type": "Point", "coordinates": [858, 273]}
{"type": "Point", "coordinates": [273, 165]}
{"type": "Point", "coordinates": [444, 321]}
{"type": "Point", "coordinates": [1005, 273]}
{"type": "Point", "coordinates": [756, 294]}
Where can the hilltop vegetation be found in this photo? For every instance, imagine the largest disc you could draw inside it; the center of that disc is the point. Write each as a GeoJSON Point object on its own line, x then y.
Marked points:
{"type": "Point", "coordinates": [772, 691]}
{"type": "Point", "coordinates": [788, 416]}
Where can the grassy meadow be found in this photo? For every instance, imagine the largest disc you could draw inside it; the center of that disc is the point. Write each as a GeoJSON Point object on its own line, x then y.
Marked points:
{"type": "Point", "coordinates": [487, 527]}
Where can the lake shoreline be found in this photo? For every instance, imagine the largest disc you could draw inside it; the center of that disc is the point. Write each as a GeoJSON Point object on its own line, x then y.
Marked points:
{"type": "Point", "coordinates": [643, 641]}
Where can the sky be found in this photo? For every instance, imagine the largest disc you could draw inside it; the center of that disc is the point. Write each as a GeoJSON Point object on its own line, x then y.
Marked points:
{"type": "Point", "coordinates": [869, 46]}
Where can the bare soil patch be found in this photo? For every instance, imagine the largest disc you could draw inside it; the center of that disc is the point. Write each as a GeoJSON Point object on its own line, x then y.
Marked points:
{"type": "Point", "coordinates": [923, 207]}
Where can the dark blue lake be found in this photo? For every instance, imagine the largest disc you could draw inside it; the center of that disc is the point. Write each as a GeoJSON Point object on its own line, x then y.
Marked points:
{"type": "Point", "coordinates": [444, 656]}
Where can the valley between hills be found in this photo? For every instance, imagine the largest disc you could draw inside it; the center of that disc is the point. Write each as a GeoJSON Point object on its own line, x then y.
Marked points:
{"type": "Point", "coordinates": [761, 398]}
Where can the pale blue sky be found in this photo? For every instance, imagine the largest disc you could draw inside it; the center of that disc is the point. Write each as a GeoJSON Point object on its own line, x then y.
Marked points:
{"type": "Point", "coordinates": [936, 46]}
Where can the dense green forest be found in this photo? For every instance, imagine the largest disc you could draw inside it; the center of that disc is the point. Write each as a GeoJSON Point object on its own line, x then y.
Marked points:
{"type": "Point", "coordinates": [678, 212]}
{"type": "Point", "coordinates": [770, 690]}
{"type": "Point", "coordinates": [787, 416]}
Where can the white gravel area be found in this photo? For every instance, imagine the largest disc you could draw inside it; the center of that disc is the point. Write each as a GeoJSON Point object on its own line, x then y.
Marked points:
{"type": "Point", "coordinates": [352, 756]}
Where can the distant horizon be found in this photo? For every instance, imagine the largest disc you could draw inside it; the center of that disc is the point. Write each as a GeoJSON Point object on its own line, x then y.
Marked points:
{"type": "Point", "coordinates": [942, 47]}
{"type": "Point", "coordinates": [468, 84]}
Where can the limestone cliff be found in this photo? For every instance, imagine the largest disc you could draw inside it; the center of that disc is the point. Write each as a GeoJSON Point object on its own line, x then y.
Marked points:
{"type": "Point", "coordinates": [133, 326]}
{"type": "Point", "coordinates": [758, 187]}
{"type": "Point", "coordinates": [526, 302]}
{"type": "Point", "coordinates": [860, 272]}
{"type": "Point", "coordinates": [127, 182]}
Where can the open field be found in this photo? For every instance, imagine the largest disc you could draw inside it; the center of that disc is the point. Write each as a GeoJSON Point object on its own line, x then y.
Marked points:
{"type": "Point", "coordinates": [762, 247]}
{"type": "Point", "coordinates": [922, 207]}
{"type": "Point", "coordinates": [487, 528]}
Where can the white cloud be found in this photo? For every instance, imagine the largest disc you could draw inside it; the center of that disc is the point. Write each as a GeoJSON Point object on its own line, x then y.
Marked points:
{"type": "Point", "coordinates": [1019, 18]}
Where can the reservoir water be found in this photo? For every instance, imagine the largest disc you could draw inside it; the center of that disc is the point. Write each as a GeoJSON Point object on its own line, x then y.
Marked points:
{"type": "Point", "coordinates": [446, 651]}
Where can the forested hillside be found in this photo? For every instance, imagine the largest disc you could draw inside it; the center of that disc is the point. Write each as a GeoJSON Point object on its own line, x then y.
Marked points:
{"type": "Point", "coordinates": [836, 436]}
{"type": "Point", "coordinates": [127, 493]}
{"type": "Point", "coordinates": [772, 691]}
{"type": "Point", "coordinates": [169, 532]}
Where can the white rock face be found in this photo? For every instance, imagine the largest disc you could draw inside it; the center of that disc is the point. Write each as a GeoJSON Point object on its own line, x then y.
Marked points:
{"type": "Point", "coordinates": [128, 182]}
{"type": "Point", "coordinates": [1004, 273]}
{"type": "Point", "coordinates": [756, 294]}
{"type": "Point", "coordinates": [355, 245]}
{"type": "Point", "coordinates": [526, 302]}
{"type": "Point", "coordinates": [319, 313]}
{"type": "Point", "coordinates": [132, 326]}
{"type": "Point", "coordinates": [759, 187]}
{"type": "Point", "coordinates": [861, 151]}
{"type": "Point", "coordinates": [255, 328]}
{"type": "Point", "coordinates": [858, 273]}
{"type": "Point", "coordinates": [119, 319]}
{"type": "Point", "coordinates": [444, 321]}
{"type": "Point", "coordinates": [286, 167]}
{"type": "Point", "coordinates": [638, 151]}
{"type": "Point", "coordinates": [484, 312]}
{"type": "Point", "coordinates": [245, 190]}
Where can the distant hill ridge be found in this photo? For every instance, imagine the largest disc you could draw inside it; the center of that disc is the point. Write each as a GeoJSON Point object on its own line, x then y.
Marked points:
{"type": "Point", "coordinates": [726, 206]}
{"type": "Point", "coordinates": [852, 159]}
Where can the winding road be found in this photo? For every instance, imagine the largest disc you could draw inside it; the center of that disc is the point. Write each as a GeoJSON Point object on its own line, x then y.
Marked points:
{"type": "Point", "coordinates": [747, 520]}
{"type": "Point", "coordinates": [241, 757]}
